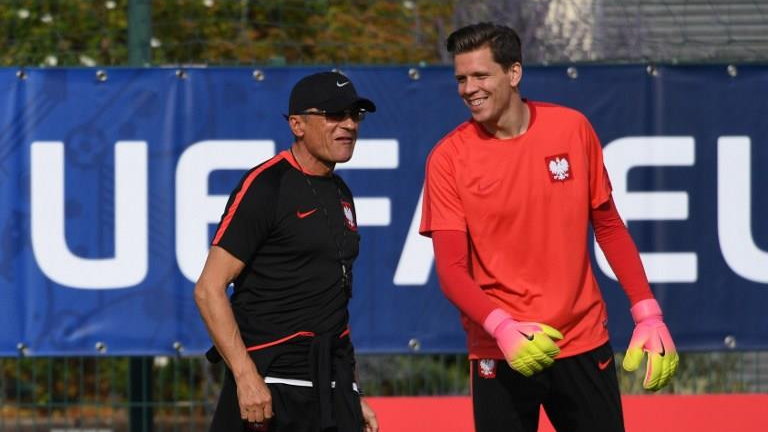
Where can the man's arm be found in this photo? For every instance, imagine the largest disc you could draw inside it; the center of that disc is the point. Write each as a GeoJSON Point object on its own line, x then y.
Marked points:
{"type": "Point", "coordinates": [371, 423]}
{"type": "Point", "coordinates": [220, 269]}
{"type": "Point", "coordinates": [620, 251]}
{"type": "Point", "coordinates": [527, 346]}
{"type": "Point", "coordinates": [452, 265]}
{"type": "Point", "coordinates": [651, 334]}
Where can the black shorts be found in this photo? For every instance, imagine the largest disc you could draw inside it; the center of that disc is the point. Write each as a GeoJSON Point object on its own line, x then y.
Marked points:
{"type": "Point", "coordinates": [579, 393]}
{"type": "Point", "coordinates": [296, 409]}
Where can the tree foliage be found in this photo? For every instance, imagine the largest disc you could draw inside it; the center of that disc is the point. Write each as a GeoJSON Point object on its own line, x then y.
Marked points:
{"type": "Point", "coordinates": [226, 32]}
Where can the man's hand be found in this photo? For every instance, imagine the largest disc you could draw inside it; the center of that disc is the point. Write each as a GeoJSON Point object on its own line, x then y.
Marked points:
{"type": "Point", "coordinates": [527, 346]}
{"type": "Point", "coordinates": [652, 336]}
{"type": "Point", "coordinates": [371, 424]}
{"type": "Point", "coordinates": [254, 397]}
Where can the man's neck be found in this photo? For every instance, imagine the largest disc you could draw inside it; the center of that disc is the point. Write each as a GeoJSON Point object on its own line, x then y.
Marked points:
{"type": "Point", "coordinates": [309, 164]}
{"type": "Point", "coordinates": [513, 123]}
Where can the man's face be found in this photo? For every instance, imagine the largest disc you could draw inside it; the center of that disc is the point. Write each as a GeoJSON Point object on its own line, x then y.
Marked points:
{"type": "Point", "coordinates": [329, 139]}
{"type": "Point", "coordinates": [485, 87]}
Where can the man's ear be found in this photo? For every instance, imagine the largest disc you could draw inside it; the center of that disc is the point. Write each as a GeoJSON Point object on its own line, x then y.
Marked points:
{"type": "Point", "coordinates": [296, 123]}
{"type": "Point", "coordinates": [515, 75]}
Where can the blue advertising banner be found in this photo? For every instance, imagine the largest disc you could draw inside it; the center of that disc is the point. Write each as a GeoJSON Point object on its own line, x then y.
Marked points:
{"type": "Point", "coordinates": [112, 182]}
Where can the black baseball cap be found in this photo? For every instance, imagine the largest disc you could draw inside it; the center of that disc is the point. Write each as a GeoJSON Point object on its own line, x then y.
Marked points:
{"type": "Point", "coordinates": [327, 91]}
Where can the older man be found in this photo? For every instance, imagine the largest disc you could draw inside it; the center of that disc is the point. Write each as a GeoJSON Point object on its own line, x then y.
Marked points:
{"type": "Point", "coordinates": [287, 241]}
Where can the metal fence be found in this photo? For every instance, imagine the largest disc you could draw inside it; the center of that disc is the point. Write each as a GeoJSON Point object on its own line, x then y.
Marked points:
{"type": "Point", "coordinates": [115, 394]}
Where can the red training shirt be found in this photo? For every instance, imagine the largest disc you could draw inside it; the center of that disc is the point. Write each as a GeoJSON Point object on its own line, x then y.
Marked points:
{"type": "Point", "coordinates": [525, 205]}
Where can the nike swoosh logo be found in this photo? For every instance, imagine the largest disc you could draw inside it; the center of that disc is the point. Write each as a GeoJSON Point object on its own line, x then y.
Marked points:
{"type": "Point", "coordinates": [302, 215]}
{"type": "Point", "coordinates": [663, 350]}
{"type": "Point", "coordinates": [482, 188]}
{"type": "Point", "coordinates": [604, 364]}
{"type": "Point", "coordinates": [529, 337]}
{"type": "Point", "coordinates": [338, 84]}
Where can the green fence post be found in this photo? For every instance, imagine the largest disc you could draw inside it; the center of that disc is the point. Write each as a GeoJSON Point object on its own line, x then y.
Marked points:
{"type": "Point", "coordinates": [139, 32]}
{"type": "Point", "coordinates": [141, 411]}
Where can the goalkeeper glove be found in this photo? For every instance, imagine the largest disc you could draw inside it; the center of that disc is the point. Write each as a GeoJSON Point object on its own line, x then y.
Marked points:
{"type": "Point", "coordinates": [652, 336]}
{"type": "Point", "coordinates": [527, 346]}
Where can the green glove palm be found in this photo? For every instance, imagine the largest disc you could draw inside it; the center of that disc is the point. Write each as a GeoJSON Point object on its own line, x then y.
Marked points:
{"type": "Point", "coordinates": [528, 347]}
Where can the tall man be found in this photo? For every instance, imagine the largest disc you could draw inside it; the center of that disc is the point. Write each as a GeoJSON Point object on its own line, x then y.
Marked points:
{"type": "Point", "coordinates": [509, 196]}
{"type": "Point", "coordinates": [287, 241]}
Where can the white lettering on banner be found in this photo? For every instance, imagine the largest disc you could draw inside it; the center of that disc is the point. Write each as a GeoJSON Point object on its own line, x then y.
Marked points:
{"type": "Point", "coordinates": [195, 208]}
{"type": "Point", "coordinates": [416, 260]}
{"type": "Point", "coordinates": [129, 265]}
{"type": "Point", "coordinates": [374, 154]}
{"type": "Point", "coordinates": [373, 211]}
{"type": "Point", "coordinates": [734, 210]}
{"type": "Point", "coordinates": [623, 154]}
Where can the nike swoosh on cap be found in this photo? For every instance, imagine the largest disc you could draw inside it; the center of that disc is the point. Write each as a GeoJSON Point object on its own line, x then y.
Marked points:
{"type": "Point", "coordinates": [338, 84]}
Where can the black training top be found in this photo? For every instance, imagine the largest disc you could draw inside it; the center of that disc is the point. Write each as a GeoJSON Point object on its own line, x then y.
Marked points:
{"type": "Point", "coordinates": [292, 231]}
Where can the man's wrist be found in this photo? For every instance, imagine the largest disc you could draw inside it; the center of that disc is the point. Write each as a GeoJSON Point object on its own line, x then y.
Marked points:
{"type": "Point", "coordinates": [492, 321]}
{"type": "Point", "coordinates": [645, 309]}
{"type": "Point", "coordinates": [244, 369]}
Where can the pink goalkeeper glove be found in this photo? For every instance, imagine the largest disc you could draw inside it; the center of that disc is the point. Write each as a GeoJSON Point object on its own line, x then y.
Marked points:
{"type": "Point", "coordinates": [652, 336]}
{"type": "Point", "coordinates": [527, 346]}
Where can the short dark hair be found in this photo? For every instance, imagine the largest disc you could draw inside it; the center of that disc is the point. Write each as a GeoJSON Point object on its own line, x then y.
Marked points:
{"type": "Point", "coordinates": [503, 41]}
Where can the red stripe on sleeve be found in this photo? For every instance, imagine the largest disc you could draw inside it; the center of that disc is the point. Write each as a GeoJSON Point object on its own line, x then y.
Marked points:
{"type": "Point", "coordinates": [240, 194]}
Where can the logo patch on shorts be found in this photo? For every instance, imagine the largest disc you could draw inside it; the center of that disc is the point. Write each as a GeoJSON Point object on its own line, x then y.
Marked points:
{"type": "Point", "coordinates": [559, 168]}
{"type": "Point", "coordinates": [487, 368]}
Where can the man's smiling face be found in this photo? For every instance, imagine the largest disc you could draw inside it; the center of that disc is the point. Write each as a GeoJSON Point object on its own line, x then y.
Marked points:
{"type": "Point", "coordinates": [485, 87]}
